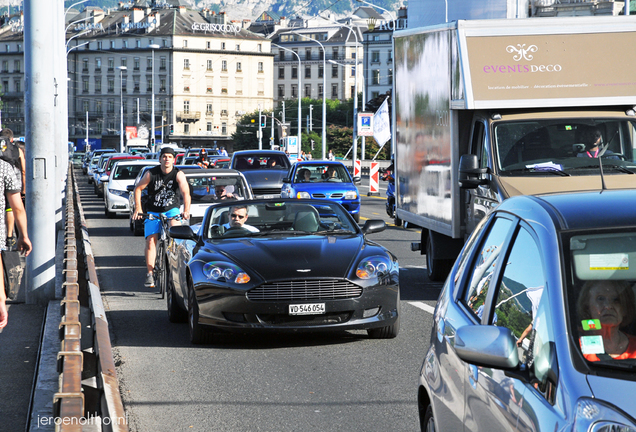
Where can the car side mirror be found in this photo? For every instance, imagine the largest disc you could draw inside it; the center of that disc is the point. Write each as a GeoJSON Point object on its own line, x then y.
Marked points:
{"type": "Point", "coordinates": [357, 180]}
{"type": "Point", "coordinates": [488, 346]}
{"type": "Point", "coordinates": [130, 188]}
{"type": "Point", "coordinates": [183, 232]}
{"type": "Point", "coordinates": [373, 226]}
{"type": "Point", "coordinates": [286, 180]}
{"type": "Point", "coordinates": [469, 172]}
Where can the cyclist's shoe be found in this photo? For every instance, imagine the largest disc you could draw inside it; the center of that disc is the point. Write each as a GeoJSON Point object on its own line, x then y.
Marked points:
{"type": "Point", "coordinates": [150, 281]}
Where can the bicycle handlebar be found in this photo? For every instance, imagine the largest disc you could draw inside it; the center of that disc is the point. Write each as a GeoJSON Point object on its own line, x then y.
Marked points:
{"type": "Point", "coordinates": [150, 216]}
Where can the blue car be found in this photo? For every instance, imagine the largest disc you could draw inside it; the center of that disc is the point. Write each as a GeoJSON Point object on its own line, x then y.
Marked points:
{"type": "Point", "coordinates": [323, 180]}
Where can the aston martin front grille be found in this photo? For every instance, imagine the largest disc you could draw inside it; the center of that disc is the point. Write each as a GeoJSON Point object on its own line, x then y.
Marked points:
{"type": "Point", "coordinates": [304, 290]}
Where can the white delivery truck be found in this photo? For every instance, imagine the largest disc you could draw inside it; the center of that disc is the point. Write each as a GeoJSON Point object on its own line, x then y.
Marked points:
{"type": "Point", "coordinates": [488, 109]}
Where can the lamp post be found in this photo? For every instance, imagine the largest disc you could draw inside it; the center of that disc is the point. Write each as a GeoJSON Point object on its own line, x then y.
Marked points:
{"type": "Point", "coordinates": [121, 107]}
{"type": "Point", "coordinates": [299, 87]}
{"type": "Point", "coordinates": [324, 93]}
{"type": "Point", "coordinates": [153, 47]}
{"type": "Point", "coordinates": [355, 96]}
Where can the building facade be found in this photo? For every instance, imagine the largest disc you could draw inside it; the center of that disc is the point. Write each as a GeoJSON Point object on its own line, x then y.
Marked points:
{"type": "Point", "coordinates": [323, 53]}
{"type": "Point", "coordinates": [206, 74]}
{"type": "Point", "coordinates": [378, 53]}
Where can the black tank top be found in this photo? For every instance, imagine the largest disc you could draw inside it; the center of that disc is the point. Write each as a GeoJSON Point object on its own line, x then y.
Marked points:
{"type": "Point", "coordinates": [162, 190]}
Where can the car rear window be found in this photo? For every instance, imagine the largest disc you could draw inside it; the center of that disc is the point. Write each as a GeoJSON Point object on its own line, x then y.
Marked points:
{"type": "Point", "coordinates": [213, 188]}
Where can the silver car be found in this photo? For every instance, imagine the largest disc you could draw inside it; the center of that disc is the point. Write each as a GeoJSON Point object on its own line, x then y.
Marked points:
{"type": "Point", "coordinates": [533, 330]}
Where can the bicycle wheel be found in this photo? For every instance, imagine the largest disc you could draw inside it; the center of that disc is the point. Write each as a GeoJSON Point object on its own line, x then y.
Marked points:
{"type": "Point", "coordinates": [159, 271]}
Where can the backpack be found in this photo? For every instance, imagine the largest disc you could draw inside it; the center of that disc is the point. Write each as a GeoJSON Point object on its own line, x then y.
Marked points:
{"type": "Point", "coordinates": [10, 152]}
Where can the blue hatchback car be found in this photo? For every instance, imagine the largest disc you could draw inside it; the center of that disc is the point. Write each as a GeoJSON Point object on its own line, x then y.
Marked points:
{"type": "Point", "coordinates": [323, 180]}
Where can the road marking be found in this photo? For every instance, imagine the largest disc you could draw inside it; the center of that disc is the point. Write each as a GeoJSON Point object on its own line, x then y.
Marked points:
{"type": "Point", "coordinates": [423, 306]}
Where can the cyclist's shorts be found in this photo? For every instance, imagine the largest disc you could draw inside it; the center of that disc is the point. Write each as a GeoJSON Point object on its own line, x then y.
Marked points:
{"type": "Point", "coordinates": [154, 226]}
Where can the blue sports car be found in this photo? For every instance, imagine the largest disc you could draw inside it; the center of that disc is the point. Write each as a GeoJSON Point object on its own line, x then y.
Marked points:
{"type": "Point", "coordinates": [323, 180]}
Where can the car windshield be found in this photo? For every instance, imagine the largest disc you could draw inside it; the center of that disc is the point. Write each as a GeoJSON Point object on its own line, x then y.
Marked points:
{"type": "Point", "coordinates": [213, 188]}
{"type": "Point", "coordinates": [126, 172]}
{"type": "Point", "coordinates": [570, 146]}
{"type": "Point", "coordinates": [277, 217]}
{"type": "Point", "coordinates": [256, 162]}
{"type": "Point", "coordinates": [321, 174]}
{"type": "Point", "coordinates": [601, 289]}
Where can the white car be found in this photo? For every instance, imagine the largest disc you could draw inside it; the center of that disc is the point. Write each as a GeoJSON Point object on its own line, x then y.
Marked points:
{"type": "Point", "coordinates": [116, 193]}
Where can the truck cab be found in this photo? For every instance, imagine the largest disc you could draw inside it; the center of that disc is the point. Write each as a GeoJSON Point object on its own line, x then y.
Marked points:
{"type": "Point", "coordinates": [486, 110]}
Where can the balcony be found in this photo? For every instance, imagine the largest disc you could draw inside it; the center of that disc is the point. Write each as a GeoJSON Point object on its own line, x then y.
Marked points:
{"type": "Point", "coordinates": [188, 117]}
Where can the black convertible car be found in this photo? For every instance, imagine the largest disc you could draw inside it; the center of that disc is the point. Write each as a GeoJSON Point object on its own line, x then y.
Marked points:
{"type": "Point", "coordinates": [283, 264]}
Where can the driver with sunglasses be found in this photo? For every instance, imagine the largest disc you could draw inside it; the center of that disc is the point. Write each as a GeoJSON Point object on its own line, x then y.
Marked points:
{"type": "Point", "coordinates": [238, 217]}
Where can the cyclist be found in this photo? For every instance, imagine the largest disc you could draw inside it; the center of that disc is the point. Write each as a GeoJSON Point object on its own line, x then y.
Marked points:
{"type": "Point", "coordinates": [162, 181]}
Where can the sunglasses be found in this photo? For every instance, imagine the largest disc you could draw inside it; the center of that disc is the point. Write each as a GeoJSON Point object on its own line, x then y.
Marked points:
{"type": "Point", "coordinates": [237, 216]}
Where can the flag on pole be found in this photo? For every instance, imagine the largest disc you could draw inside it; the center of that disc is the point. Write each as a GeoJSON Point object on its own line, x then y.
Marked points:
{"type": "Point", "coordinates": [382, 124]}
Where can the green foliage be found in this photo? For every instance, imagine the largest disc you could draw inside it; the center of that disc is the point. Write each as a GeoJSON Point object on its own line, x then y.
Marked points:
{"type": "Point", "coordinates": [339, 128]}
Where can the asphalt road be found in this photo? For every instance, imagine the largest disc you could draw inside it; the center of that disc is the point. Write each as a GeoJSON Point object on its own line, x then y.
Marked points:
{"type": "Point", "coordinates": [309, 382]}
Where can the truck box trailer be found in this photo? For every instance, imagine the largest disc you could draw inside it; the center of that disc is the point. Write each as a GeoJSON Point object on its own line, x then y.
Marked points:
{"type": "Point", "coordinates": [487, 109]}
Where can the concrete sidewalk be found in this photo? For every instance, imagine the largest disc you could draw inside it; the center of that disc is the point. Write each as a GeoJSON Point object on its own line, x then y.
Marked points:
{"type": "Point", "coordinates": [19, 346]}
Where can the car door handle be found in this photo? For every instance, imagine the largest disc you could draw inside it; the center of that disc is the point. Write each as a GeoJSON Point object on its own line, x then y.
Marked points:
{"type": "Point", "coordinates": [473, 376]}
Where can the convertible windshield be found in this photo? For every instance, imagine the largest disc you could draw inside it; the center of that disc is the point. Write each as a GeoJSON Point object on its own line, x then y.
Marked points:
{"type": "Point", "coordinates": [553, 145]}
{"type": "Point", "coordinates": [601, 297]}
{"type": "Point", "coordinates": [282, 217]}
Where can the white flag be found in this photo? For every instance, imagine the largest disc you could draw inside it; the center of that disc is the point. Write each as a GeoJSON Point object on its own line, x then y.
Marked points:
{"type": "Point", "coordinates": [381, 124]}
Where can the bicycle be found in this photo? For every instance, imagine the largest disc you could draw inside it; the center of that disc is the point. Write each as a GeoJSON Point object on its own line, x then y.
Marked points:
{"type": "Point", "coordinates": [159, 273]}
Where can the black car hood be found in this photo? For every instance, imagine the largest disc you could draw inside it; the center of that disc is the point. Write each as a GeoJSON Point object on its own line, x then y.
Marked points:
{"type": "Point", "coordinates": [259, 179]}
{"type": "Point", "coordinates": [299, 257]}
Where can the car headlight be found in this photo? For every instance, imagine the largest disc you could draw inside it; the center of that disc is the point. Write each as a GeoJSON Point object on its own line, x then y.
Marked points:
{"type": "Point", "coordinates": [303, 195]}
{"type": "Point", "coordinates": [373, 267]}
{"type": "Point", "coordinates": [225, 272]}
{"type": "Point", "coordinates": [118, 192]}
{"type": "Point", "coordinates": [351, 195]}
{"type": "Point", "coordinates": [596, 416]}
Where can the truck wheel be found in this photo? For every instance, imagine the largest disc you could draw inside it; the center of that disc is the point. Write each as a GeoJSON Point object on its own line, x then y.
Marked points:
{"type": "Point", "coordinates": [436, 268]}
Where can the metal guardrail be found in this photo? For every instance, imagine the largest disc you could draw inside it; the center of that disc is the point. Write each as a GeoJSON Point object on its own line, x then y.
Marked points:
{"type": "Point", "coordinates": [89, 390]}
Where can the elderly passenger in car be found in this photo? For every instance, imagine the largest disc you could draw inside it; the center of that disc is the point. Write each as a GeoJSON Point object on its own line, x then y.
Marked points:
{"type": "Point", "coordinates": [606, 307]}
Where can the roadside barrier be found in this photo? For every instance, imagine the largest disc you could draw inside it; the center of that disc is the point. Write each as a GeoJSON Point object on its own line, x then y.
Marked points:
{"type": "Point", "coordinates": [357, 169]}
{"type": "Point", "coordinates": [89, 390]}
{"type": "Point", "coordinates": [374, 179]}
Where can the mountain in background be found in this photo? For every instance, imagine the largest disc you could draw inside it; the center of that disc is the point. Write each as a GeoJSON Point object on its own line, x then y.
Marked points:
{"type": "Point", "coordinates": [252, 9]}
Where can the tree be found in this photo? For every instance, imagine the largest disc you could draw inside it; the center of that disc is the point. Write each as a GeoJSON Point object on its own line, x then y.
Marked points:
{"type": "Point", "coordinates": [339, 128]}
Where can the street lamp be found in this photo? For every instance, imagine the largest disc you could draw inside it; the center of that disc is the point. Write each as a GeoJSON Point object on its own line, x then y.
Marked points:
{"type": "Point", "coordinates": [153, 47]}
{"type": "Point", "coordinates": [299, 87]}
{"type": "Point", "coordinates": [121, 107]}
{"type": "Point", "coordinates": [355, 97]}
{"type": "Point", "coordinates": [324, 93]}
{"type": "Point", "coordinates": [355, 110]}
